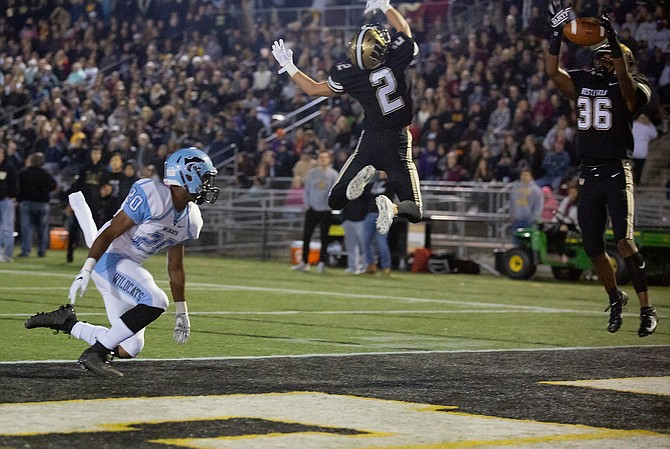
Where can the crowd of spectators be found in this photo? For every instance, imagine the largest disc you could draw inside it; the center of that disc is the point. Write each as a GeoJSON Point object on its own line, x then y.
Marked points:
{"type": "Point", "coordinates": [135, 80]}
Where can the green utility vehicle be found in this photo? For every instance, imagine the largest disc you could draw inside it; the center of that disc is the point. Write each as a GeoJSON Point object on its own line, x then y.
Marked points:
{"type": "Point", "coordinates": [568, 260]}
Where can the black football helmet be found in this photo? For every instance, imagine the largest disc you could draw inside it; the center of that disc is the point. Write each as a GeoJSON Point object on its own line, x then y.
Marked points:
{"type": "Point", "coordinates": [369, 46]}
{"type": "Point", "coordinates": [601, 59]}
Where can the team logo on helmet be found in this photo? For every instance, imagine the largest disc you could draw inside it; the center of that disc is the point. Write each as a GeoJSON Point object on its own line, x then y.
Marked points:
{"type": "Point", "coordinates": [193, 170]}
{"type": "Point", "coordinates": [369, 46]}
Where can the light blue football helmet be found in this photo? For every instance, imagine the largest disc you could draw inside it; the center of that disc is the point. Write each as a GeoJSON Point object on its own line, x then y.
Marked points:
{"type": "Point", "coordinates": [193, 170]}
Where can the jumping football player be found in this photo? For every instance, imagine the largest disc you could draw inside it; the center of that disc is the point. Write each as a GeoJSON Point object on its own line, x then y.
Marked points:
{"type": "Point", "coordinates": [154, 216]}
{"type": "Point", "coordinates": [607, 98]}
{"type": "Point", "coordinates": [375, 75]}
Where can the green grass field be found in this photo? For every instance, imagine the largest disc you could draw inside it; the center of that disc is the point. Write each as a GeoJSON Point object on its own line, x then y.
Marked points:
{"type": "Point", "coordinates": [253, 308]}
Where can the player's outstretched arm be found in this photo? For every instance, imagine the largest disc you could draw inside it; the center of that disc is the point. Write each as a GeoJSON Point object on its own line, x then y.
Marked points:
{"type": "Point", "coordinates": [396, 20]}
{"type": "Point", "coordinates": [558, 17]}
{"type": "Point", "coordinates": [284, 57]}
{"type": "Point", "coordinates": [627, 85]}
{"type": "Point", "coordinates": [119, 224]}
{"type": "Point", "coordinates": [177, 275]}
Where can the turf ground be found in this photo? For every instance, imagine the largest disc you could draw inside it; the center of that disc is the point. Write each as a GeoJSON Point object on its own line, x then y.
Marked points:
{"type": "Point", "coordinates": [279, 359]}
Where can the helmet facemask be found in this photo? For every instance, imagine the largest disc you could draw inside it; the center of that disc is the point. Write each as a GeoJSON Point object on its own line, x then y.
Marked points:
{"type": "Point", "coordinates": [207, 192]}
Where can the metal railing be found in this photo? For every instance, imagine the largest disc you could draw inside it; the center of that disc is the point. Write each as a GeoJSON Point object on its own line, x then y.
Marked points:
{"type": "Point", "coordinates": [257, 223]}
{"type": "Point", "coordinates": [457, 216]}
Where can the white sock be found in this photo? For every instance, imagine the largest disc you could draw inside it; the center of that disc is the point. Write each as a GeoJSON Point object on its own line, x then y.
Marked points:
{"type": "Point", "coordinates": [115, 335]}
{"type": "Point", "coordinates": [87, 332]}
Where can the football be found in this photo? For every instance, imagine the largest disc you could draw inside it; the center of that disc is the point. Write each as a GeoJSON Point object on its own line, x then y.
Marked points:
{"type": "Point", "coordinates": [584, 31]}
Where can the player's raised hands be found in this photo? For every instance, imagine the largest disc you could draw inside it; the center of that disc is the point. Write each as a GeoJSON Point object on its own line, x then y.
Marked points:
{"type": "Point", "coordinates": [382, 5]}
{"type": "Point", "coordinates": [606, 23]}
{"type": "Point", "coordinates": [558, 15]}
{"type": "Point", "coordinates": [283, 55]}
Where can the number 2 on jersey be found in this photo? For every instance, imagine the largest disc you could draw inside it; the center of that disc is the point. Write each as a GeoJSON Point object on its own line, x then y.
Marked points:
{"type": "Point", "coordinates": [388, 85]}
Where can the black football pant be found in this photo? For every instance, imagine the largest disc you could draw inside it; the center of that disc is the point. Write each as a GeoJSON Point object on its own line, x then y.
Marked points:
{"type": "Point", "coordinates": [605, 189]}
{"type": "Point", "coordinates": [387, 150]}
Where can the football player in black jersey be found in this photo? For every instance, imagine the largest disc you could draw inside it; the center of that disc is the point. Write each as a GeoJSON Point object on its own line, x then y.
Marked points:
{"type": "Point", "coordinates": [607, 98]}
{"type": "Point", "coordinates": [376, 75]}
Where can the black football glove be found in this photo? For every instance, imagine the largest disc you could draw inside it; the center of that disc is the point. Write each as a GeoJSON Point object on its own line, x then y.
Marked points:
{"type": "Point", "coordinates": [612, 39]}
{"type": "Point", "coordinates": [559, 16]}
{"type": "Point", "coordinates": [606, 23]}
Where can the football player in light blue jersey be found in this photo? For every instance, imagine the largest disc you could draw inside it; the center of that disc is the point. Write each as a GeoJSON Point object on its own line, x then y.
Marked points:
{"type": "Point", "coordinates": [154, 216]}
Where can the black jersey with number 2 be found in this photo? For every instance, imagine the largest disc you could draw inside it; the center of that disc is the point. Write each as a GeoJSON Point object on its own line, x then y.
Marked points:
{"type": "Point", "coordinates": [604, 122]}
{"type": "Point", "coordinates": [384, 92]}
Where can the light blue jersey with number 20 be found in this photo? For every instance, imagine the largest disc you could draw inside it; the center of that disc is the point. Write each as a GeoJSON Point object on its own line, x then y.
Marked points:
{"type": "Point", "coordinates": [158, 224]}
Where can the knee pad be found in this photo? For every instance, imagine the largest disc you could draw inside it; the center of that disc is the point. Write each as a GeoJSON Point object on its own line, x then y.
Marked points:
{"type": "Point", "coordinates": [336, 203]}
{"type": "Point", "coordinates": [140, 317]}
{"type": "Point", "coordinates": [635, 266]}
{"type": "Point", "coordinates": [409, 209]}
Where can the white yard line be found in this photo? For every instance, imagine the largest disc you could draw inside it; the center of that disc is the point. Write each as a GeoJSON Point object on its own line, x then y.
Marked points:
{"type": "Point", "coordinates": [410, 299]}
{"type": "Point", "coordinates": [352, 354]}
{"type": "Point", "coordinates": [343, 312]}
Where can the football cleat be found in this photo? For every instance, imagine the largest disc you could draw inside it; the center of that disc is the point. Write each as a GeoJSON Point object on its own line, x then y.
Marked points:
{"type": "Point", "coordinates": [63, 319]}
{"type": "Point", "coordinates": [357, 185]}
{"type": "Point", "coordinates": [386, 214]}
{"type": "Point", "coordinates": [648, 322]}
{"type": "Point", "coordinates": [616, 309]}
{"type": "Point", "coordinates": [97, 359]}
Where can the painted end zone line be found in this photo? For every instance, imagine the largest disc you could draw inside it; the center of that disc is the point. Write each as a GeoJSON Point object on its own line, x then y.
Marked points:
{"type": "Point", "coordinates": [351, 354]}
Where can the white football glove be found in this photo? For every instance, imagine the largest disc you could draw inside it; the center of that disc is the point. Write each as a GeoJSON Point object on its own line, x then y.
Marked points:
{"type": "Point", "coordinates": [382, 5]}
{"type": "Point", "coordinates": [81, 281]}
{"type": "Point", "coordinates": [182, 325]}
{"type": "Point", "coordinates": [284, 57]}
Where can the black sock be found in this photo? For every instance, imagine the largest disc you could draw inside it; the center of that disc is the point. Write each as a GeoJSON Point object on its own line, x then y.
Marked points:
{"type": "Point", "coordinates": [100, 348]}
{"type": "Point", "coordinates": [69, 324]}
{"type": "Point", "coordinates": [615, 295]}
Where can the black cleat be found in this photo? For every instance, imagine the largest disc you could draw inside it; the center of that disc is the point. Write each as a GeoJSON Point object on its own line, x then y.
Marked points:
{"type": "Point", "coordinates": [616, 309]}
{"type": "Point", "coordinates": [98, 359]}
{"type": "Point", "coordinates": [648, 322]}
{"type": "Point", "coordinates": [62, 320]}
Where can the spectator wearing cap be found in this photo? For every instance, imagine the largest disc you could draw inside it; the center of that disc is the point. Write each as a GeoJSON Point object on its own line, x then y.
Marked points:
{"type": "Point", "coordinates": [35, 187]}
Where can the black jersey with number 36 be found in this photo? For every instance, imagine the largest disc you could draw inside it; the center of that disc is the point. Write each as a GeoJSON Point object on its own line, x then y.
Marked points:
{"type": "Point", "coordinates": [604, 122]}
{"type": "Point", "coordinates": [384, 92]}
